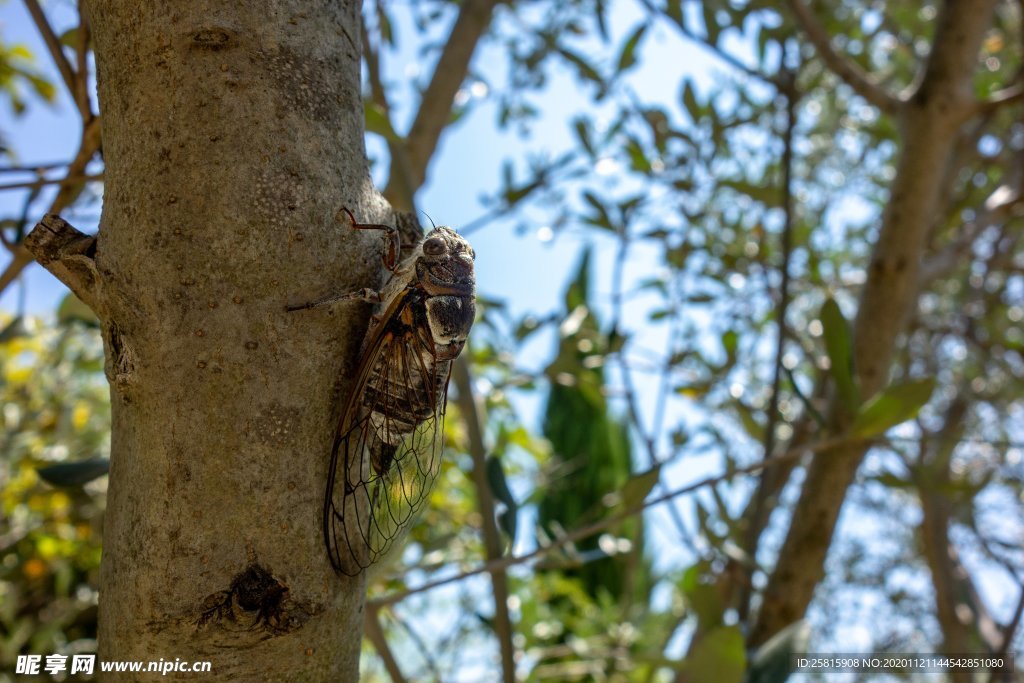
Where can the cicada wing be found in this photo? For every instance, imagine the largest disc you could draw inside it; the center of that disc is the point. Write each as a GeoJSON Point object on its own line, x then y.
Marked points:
{"type": "Point", "coordinates": [398, 493]}
{"type": "Point", "coordinates": [346, 501]}
{"type": "Point", "coordinates": [387, 452]}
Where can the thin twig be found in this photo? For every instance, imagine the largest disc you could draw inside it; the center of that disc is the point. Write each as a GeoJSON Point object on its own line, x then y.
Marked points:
{"type": "Point", "coordinates": [471, 413]}
{"type": "Point", "coordinates": [82, 76]}
{"type": "Point", "coordinates": [43, 182]}
{"type": "Point", "coordinates": [1009, 95]}
{"type": "Point", "coordinates": [787, 87]}
{"type": "Point", "coordinates": [632, 404]}
{"type": "Point", "coordinates": [848, 71]}
{"type": "Point", "coordinates": [33, 168]}
{"type": "Point", "coordinates": [1008, 633]}
{"type": "Point", "coordinates": [91, 137]}
{"type": "Point", "coordinates": [435, 108]}
{"type": "Point", "coordinates": [371, 624]}
{"type": "Point", "coordinates": [542, 177]}
{"type": "Point", "coordinates": [53, 45]}
{"type": "Point", "coordinates": [703, 42]}
{"type": "Point", "coordinates": [424, 650]}
{"type": "Point", "coordinates": [600, 525]}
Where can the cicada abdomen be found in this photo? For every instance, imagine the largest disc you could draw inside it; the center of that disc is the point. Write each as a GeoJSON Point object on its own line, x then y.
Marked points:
{"type": "Point", "coordinates": [387, 450]}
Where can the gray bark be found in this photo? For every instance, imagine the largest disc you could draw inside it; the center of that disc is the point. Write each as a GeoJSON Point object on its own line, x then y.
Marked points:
{"type": "Point", "coordinates": [232, 134]}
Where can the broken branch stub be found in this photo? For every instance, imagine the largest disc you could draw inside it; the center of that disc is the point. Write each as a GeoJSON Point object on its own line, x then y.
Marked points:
{"type": "Point", "coordinates": [69, 255]}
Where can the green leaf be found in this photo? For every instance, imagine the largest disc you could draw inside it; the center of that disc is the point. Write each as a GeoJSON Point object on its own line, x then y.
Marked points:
{"type": "Point", "coordinates": [499, 487]}
{"type": "Point", "coordinates": [384, 25]}
{"type": "Point", "coordinates": [601, 219]}
{"type": "Point", "coordinates": [70, 474]}
{"type": "Point", "coordinates": [717, 656]}
{"type": "Point", "coordinates": [602, 23]}
{"type": "Point", "coordinates": [730, 342]}
{"type": "Point", "coordinates": [44, 88]}
{"type": "Point", "coordinates": [773, 661]}
{"type": "Point", "coordinates": [627, 57]}
{"type": "Point", "coordinates": [893, 481]}
{"type": "Point", "coordinates": [70, 37]}
{"type": "Point", "coordinates": [377, 121]}
{"type": "Point", "coordinates": [750, 424]}
{"type": "Point", "coordinates": [71, 309]}
{"type": "Point", "coordinates": [711, 22]}
{"type": "Point", "coordinates": [637, 159]}
{"type": "Point", "coordinates": [15, 329]}
{"type": "Point", "coordinates": [690, 102]}
{"type": "Point", "coordinates": [767, 194]}
{"type": "Point", "coordinates": [526, 327]}
{"type": "Point", "coordinates": [702, 598]}
{"type": "Point", "coordinates": [894, 405]}
{"type": "Point", "coordinates": [636, 489]}
{"type": "Point", "coordinates": [508, 522]}
{"type": "Point", "coordinates": [582, 128]}
{"type": "Point", "coordinates": [586, 71]}
{"type": "Point", "coordinates": [839, 347]}
{"type": "Point", "coordinates": [674, 11]}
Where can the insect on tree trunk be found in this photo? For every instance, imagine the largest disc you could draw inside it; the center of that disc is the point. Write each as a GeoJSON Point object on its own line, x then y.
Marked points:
{"type": "Point", "coordinates": [232, 135]}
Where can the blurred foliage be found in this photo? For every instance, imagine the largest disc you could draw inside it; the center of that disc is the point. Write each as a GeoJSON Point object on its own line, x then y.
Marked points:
{"type": "Point", "coordinates": [590, 465]}
{"type": "Point", "coordinates": [18, 74]}
{"type": "Point", "coordinates": [592, 456]}
{"type": "Point", "coordinates": [679, 188]}
{"type": "Point", "coordinates": [55, 409]}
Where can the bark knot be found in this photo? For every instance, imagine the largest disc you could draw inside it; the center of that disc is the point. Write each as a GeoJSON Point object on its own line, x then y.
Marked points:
{"type": "Point", "coordinates": [212, 38]}
{"type": "Point", "coordinates": [120, 364]}
{"type": "Point", "coordinates": [256, 600]}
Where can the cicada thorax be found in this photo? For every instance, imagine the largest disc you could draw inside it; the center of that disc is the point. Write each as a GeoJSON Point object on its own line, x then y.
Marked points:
{"type": "Point", "coordinates": [404, 389]}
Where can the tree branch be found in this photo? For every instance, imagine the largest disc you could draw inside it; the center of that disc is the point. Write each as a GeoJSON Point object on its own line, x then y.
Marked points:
{"type": "Point", "coordinates": [485, 502]}
{"type": "Point", "coordinates": [67, 254]}
{"type": "Point", "coordinates": [724, 56]}
{"type": "Point", "coordinates": [1001, 98]}
{"type": "Point", "coordinates": [53, 45]}
{"type": "Point", "coordinates": [930, 122]}
{"type": "Point", "coordinates": [400, 192]}
{"type": "Point", "coordinates": [436, 103]}
{"type": "Point", "coordinates": [371, 625]}
{"type": "Point", "coordinates": [954, 596]}
{"type": "Point", "coordinates": [600, 525]}
{"type": "Point", "coordinates": [91, 139]}
{"type": "Point", "coordinates": [1009, 631]}
{"type": "Point", "coordinates": [82, 79]}
{"type": "Point", "coordinates": [850, 72]}
{"type": "Point", "coordinates": [43, 182]}
{"type": "Point", "coordinates": [788, 90]}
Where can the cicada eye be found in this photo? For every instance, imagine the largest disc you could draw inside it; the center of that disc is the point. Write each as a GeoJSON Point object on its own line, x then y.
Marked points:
{"type": "Point", "coordinates": [434, 246]}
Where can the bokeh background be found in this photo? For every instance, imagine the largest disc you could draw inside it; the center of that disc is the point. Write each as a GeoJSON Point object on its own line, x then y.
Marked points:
{"type": "Point", "coordinates": [674, 207]}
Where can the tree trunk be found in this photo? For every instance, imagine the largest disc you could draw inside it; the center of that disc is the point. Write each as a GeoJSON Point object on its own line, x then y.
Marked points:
{"type": "Point", "coordinates": [232, 134]}
{"type": "Point", "coordinates": [930, 121]}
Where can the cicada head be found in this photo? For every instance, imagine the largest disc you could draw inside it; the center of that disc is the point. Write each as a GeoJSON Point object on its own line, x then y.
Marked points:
{"type": "Point", "coordinates": [445, 272]}
{"type": "Point", "coordinates": [445, 264]}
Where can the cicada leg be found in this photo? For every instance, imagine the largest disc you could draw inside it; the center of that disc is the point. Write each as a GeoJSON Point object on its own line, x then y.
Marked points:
{"type": "Point", "coordinates": [393, 240]}
{"type": "Point", "coordinates": [366, 294]}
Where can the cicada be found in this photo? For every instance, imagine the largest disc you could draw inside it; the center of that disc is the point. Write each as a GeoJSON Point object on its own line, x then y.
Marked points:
{"type": "Point", "coordinates": [387, 448]}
